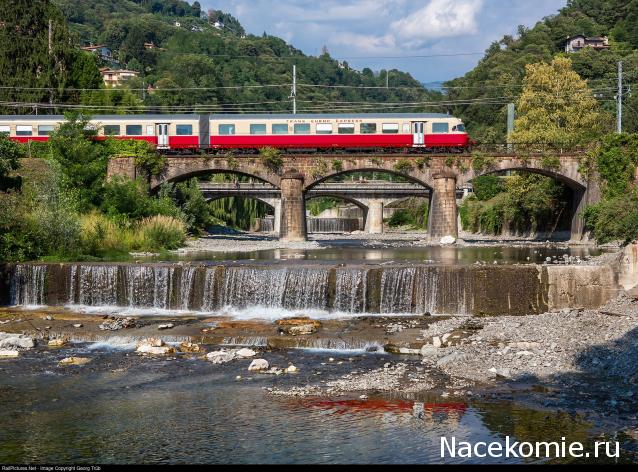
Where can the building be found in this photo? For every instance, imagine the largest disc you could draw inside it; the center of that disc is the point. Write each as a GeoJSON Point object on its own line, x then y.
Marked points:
{"type": "Point", "coordinates": [115, 77]}
{"type": "Point", "coordinates": [99, 50]}
{"type": "Point", "coordinates": [576, 43]}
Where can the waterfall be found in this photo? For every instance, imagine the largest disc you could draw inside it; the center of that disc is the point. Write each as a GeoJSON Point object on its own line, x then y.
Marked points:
{"type": "Point", "coordinates": [397, 287]}
{"type": "Point", "coordinates": [350, 290]}
{"type": "Point", "coordinates": [28, 285]}
{"type": "Point", "coordinates": [333, 225]}
{"type": "Point", "coordinates": [301, 288]}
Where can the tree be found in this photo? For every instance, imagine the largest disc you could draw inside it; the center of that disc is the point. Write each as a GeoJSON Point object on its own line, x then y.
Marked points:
{"type": "Point", "coordinates": [10, 153]}
{"type": "Point", "coordinates": [557, 107]}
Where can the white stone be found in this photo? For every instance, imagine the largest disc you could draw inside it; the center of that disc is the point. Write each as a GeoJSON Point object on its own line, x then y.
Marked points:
{"type": "Point", "coordinates": [7, 353]}
{"type": "Point", "coordinates": [12, 341]}
{"type": "Point", "coordinates": [220, 357]}
{"type": "Point", "coordinates": [448, 240]}
{"type": "Point", "coordinates": [77, 325]}
{"type": "Point", "coordinates": [258, 364]}
{"type": "Point", "coordinates": [166, 326]}
{"type": "Point", "coordinates": [429, 351]}
{"type": "Point", "coordinates": [245, 353]}
{"type": "Point", "coordinates": [436, 341]}
{"type": "Point", "coordinates": [75, 361]}
{"type": "Point", "coordinates": [291, 369]}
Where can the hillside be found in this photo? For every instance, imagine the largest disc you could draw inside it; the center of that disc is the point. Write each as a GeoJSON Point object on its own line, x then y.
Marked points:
{"type": "Point", "coordinates": [499, 74]}
{"type": "Point", "coordinates": [194, 62]}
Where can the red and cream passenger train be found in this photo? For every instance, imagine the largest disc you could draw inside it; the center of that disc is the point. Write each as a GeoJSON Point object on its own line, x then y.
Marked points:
{"type": "Point", "coordinates": [421, 132]}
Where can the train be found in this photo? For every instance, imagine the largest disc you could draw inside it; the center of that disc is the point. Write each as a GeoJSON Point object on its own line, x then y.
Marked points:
{"type": "Point", "coordinates": [421, 132]}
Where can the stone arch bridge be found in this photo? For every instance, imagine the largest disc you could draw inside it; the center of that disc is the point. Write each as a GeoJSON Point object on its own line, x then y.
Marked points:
{"type": "Point", "coordinates": [298, 176]}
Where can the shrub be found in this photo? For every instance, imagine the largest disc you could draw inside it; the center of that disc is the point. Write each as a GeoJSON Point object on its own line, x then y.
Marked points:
{"type": "Point", "coordinates": [403, 166]}
{"type": "Point", "coordinates": [615, 219]}
{"type": "Point", "coordinates": [271, 158]}
{"type": "Point", "coordinates": [161, 232]}
{"type": "Point", "coordinates": [487, 186]}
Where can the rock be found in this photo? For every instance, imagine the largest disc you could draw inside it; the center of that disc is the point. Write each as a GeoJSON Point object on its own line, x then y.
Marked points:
{"type": "Point", "coordinates": [48, 318]}
{"type": "Point", "coordinates": [190, 347]}
{"type": "Point", "coordinates": [445, 337]}
{"type": "Point", "coordinates": [154, 347]}
{"type": "Point", "coordinates": [16, 342]}
{"type": "Point", "coordinates": [298, 326]}
{"type": "Point", "coordinates": [274, 371]}
{"type": "Point", "coordinates": [452, 357]}
{"type": "Point", "coordinates": [448, 240]}
{"type": "Point", "coordinates": [292, 369]}
{"type": "Point", "coordinates": [429, 351]}
{"type": "Point", "coordinates": [115, 323]}
{"type": "Point", "coordinates": [77, 325]}
{"type": "Point", "coordinates": [75, 361]}
{"type": "Point", "coordinates": [436, 341]}
{"type": "Point", "coordinates": [166, 326]}
{"type": "Point", "coordinates": [258, 364]}
{"type": "Point", "coordinates": [58, 342]}
{"type": "Point", "coordinates": [245, 353]}
{"type": "Point", "coordinates": [8, 353]}
{"type": "Point", "coordinates": [220, 357]}
{"type": "Point", "coordinates": [156, 350]}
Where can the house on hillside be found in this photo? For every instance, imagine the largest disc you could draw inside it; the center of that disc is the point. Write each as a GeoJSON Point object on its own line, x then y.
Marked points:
{"type": "Point", "coordinates": [99, 50]}
{"type": "Point", "coordinates": [115, 77]}
{"type": "Point", "coordinates": [579, 42]}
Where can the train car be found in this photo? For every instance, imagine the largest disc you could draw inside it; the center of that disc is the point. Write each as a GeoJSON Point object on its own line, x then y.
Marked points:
{"type": "Point", "coordinates": [330, 131]}
{"type": "Point", "coordinates": [176, 132]}
{"type": "Point", "coordinates": [423, 132]}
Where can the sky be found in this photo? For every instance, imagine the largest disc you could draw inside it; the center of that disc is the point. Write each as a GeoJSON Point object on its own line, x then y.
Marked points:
{"type": "Point", "coordinates": [370, 33]}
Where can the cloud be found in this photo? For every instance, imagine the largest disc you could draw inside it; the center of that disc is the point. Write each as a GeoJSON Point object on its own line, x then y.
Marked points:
{"type": "Point", "coordinates": [439, 18]}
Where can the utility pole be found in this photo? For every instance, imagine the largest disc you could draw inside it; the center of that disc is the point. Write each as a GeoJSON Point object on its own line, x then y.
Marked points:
{"type": "Point", "coordinates": [619, 98]}
{"type": "Point", "coordinates": [387, 79]}
{"type": "Point", "coordinates": [50, 37]}
{"type": "Point", "coordinates": [510, 124]}
{"type": "Point", "coordinates": [293, 94]}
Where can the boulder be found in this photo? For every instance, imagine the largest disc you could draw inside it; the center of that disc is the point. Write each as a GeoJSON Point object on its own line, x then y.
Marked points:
{"type": "Point", "coordinates": [58, 342]}
{"type": "Point", "coordinates": [298, 326]}
{"type": "Point", "coordinates": [436, 341]}
{"type": "Point", "coordinates": [8, 353]}
{"type": "Point", "coordinates": [220, 357]}
{"type": "Point", "coordinates": [448, 240]}
{"type": "Point", "coordinates": [75, 361]}
{"type": "Point", "coordinates": [450, 358]}
{"type": "Point", "coordinates": [190, 347]}
{"type": "Point", "coordinates": [258, 365]}
{"type": "Point", "coordinates": [245, 353]}
{"type": "Point", "coordinates": [166, 326]}
{"type": "Point", "coordinates": [291, 369]}
{"type": "Point", "coordinates": [429, 351]}
{"type": "Point", "coordinates": [154, 347]}
{"type": "Point", "coordinates": [10, 341]}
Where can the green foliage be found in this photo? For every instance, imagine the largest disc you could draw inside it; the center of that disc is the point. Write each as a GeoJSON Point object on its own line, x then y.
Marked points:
{"type": "Point", "coordinates": [423, 162]}
{"type": "Point", "coordinates": [487, 187]}
{"type": "Point", "coordinates": [412, 212]}
{"type": "Point", "coordinates": [271, 158]}
{"type": "Point", "coordinates": [404, 166]}
{"type": "Point", "coordinates": [526, 203]}
{"type": "Point", "coordinates": [615, 218]}
{"type": "Point", "coordinates": [147, 159]}
{"type": "Point", "coordinates": [550, 163]}
{"type": "Point", "coordinates": [337, 165]}
{"type": "Point", "coordinates": [316, 206]}
{"type": "Point", "coordinates": [239, 213]}
{"type": "Point", "coordinates": [128, 199]}
{"type": "Point", "coordinates": [10, 153]}
{"type": "Point", "coordinates": [616, 160]}
{"type": "Point", "coordinates": [320, 169]}
{"type": "Point", "coordinates": [192, 204]}
{"type": "Point", "coordinates": [481, 162]}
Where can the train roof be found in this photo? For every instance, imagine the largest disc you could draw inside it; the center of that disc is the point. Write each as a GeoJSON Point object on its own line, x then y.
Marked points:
{"type": "Point", "coordinates": [261, 116]}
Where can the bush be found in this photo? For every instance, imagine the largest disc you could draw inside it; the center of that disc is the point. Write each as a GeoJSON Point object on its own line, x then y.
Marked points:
{"type": "Point", "coordinates": [487, 186]}
{"type": "Point", "coordinates": [615, 219]}
{"type": "Point", "coordinates": [161, 232]}
{"type": "Point", "coordinates": [129, 199]}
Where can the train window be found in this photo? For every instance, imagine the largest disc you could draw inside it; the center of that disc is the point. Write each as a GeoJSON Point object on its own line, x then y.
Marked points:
{"type": "Point", "coordinates": [134, 130]}
{"type": "Point", "coordinates": [460, 128]}
{"type": "Point", "coordinates": [257, 129]}
{"type": "Point", "coordinates": [346, 128]}
{"type": "Point", "coordinates": [368, 128]}
{"type": "Point", "coordinates": [150, 130]}
{"type": "Point", "coordinates": [45, 130]}
{"type": "Point", "coordinates": [324, 128]}
{"type": "Point", "coordinates": [24, 130]}
{"type": "Point", "coordinates": [390, 128]}
{"type": "Point", "coordinates": [5, 129]}
{"type": "Point", "coordinates": [302, 128]}
{"type": "Point", "coordinates": [279, 128]}
{"type": "Point", "coordinates": [184, 130]}
{"type": "Point", "coordinates": [226, 129]}
{"type": "Point", "coordinates": [111, 130]}
{"type": "Point", "coordinates": [440, 127]}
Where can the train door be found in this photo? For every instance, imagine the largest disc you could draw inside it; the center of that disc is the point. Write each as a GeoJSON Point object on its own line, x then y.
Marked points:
{"type": "Point", "coordinates": [162, 135]}
{"type": "Point", "coordinates": [418, 130]}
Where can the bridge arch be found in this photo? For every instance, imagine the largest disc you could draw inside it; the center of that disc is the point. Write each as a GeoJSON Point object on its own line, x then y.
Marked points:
{"type": "Point", "coordinates": [421, 178]}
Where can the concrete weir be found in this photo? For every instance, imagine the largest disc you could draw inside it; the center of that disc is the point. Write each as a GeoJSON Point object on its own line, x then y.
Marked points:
{"type": "Point", "coordinates": [307, 287]}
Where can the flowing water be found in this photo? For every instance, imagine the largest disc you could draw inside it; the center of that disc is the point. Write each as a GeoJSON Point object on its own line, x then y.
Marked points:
{"type": "Point", "coordinates": [126, 409]}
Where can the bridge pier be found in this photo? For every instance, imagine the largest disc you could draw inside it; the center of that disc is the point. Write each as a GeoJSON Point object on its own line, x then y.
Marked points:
{"type": "Point", "coordinates": [277, 222]}
{"type": "Point", "coordinates": [583, 197]}
{"type": "Point", "coordinates": [293, 208]}
{"type": "Point", "coordinates": [443, 212]}
{"type": "Point", "coordinates": [374, 219]}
